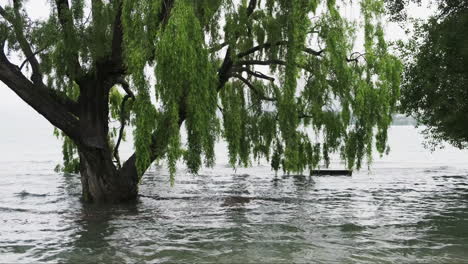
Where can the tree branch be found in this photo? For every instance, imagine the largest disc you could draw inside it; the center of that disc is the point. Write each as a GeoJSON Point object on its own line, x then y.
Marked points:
{"type": "Point", "coordinates": [269, 62]}
{"type": "Point", "coordinates": [122, 127]}
{"type": "Point", "coordinates": [223, 72]}
{"type": "Point", "coordinates": [70, 105]}
{"type": "Point", "coordinates": [159, 145]}
{"type": "Point", "coordinates": [40, 98]}
{"type": "Point", "coordinates": [260, 47]}
{"type": "Point", "coordinates": [355, 59]}
{"type": "Point", "coordinates": [3, 13]}
{"type": "Point", "coordinates": [18, 26]}
{"type": "Point", "coordinates": [254, 89]}
{"type": "Point", "coordinates": [28, 59]}
{"type": "Point", "coordinates": [302, 115]}
{"type": "Point", "coordinates": [278, 43]}
{"type": "Point", "coordinates": [117, 41]}
{"type": "Point", "coordinates": [260, 62]}
{"type": "Point", "coordinates": [125, 86]}
{"type": "Point", "coordinates": [313, 52]}
{"type": "Point", "coordinates": [66, 21]}
{"type": "Point", "coordinates": [254, 73]}
{"type": "Point", "coordinates": [166, 11]}
{"type": "Point", "coordinates": [123, 118]}
{"type": "Point", "coordinates": [218, 47]}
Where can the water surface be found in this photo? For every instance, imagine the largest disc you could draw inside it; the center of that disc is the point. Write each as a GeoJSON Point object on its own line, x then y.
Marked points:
{"type": "Point", "coordinates": [412, 207]}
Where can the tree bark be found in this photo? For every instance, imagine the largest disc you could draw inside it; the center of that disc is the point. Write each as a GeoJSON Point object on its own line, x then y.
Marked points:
{"type": "Point", "coordinates": [58, 112]}
{"type": "Point", "coordinates": [102, 182]}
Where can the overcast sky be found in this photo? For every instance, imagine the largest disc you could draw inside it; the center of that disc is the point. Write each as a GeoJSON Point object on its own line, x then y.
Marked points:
{"type": "Point", "coordinates": [13, 110]}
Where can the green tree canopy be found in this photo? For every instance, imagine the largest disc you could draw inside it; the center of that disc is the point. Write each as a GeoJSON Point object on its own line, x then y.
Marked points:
{"type": "Point", "coordinates": [262, 74]}
{"type": "Point", "coordinates": [435, 82]}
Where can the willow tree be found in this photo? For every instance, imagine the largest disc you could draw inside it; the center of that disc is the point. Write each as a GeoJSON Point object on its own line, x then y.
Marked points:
{"type": "Point", "coordinates": [277, 79]}
{"type": "Point", "coordinates": [434, 86]}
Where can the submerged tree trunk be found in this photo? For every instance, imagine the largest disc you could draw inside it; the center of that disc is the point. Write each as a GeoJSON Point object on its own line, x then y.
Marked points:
{"type": "Point", "coordinates": [102, 182]}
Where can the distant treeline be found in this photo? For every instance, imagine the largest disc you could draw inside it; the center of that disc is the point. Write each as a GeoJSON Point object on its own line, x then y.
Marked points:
{"type": "Point", "coordinates": [402, 120]}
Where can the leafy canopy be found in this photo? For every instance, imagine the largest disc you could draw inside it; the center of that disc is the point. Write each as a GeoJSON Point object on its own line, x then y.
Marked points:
{"type": "Point", "coordinates": [342, 96]}
{"type": "Point", "coordinates": [277, 79]}
{"type": "Point", "coordinates": [436, 76]}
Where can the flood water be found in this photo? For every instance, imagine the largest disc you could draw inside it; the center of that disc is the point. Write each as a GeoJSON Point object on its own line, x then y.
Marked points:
{"type": "Point", "coordinates": [411, 207]}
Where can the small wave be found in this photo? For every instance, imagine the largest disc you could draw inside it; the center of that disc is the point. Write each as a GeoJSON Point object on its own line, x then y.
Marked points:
{"type": "Point", "coordinates": [438, 169]}
{"type": "Point", "coordinates": [24, 194]}
{"type": "Point", "coordinates": [9, 209]}
{"type": "Point", "coordinates": [350, 227]}
{"type": "Point", "coordinates": [228, 199]}
{"type": "Point", "coordinates": [454, 176]}
{"type": "Point", "coordinates": [235, 200]}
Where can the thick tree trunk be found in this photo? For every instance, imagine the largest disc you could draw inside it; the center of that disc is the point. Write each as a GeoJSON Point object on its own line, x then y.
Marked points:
{"type": "Point", "coordinates": [102, 182]}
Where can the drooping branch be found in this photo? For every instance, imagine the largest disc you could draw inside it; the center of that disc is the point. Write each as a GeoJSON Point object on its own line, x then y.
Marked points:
{"type": "Point", "coordinates": [254, 89]}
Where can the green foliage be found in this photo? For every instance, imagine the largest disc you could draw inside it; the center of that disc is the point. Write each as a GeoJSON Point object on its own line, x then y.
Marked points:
{"type": "Point", "coordinates": [434, 88]}
{"type": "Point", "coordinates": [235, 123]}
{"type": "Point", "coordinates": [283, 74]}
{"type": "Point", "coordinates": [71, 160]}
{"type": "Point", "coordinates": [186, 79]}
{"type": "Point", "coordinates": [398, 9]}
{"type": "Point", "coordinates": [347, 99]}
{"type": "Point", "coordinates": [137, 19]}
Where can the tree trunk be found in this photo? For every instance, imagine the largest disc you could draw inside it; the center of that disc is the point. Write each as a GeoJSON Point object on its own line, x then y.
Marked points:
{"type": "Point", "coordinates": [102, 182]}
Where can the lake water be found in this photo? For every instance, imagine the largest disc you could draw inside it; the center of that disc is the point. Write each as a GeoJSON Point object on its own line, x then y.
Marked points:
{"type": "Point", "coordinates": [411, 207]}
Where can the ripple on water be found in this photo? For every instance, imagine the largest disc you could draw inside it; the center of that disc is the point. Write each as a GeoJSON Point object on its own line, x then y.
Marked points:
{"type": "Point", "coordinates": [383, 217]}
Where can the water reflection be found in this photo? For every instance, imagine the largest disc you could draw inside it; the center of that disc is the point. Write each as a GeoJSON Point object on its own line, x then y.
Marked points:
{"type": "Point", "coordinates": [92, 240]}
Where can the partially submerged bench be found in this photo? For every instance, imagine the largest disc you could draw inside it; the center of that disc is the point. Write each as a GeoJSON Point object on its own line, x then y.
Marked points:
{"type": "Point", "coordinates": [331, 173]}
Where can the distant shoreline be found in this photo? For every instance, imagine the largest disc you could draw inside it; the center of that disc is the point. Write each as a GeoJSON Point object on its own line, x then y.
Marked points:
{"type": "Point", "coordinates": [402, 120]}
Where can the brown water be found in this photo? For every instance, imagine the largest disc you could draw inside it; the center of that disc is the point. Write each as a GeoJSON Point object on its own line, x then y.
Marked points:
{"type": "Point", "coordinates": [412, 207]}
